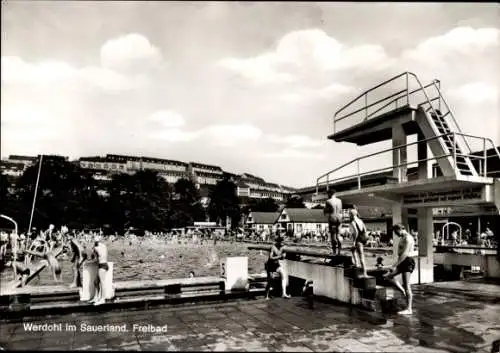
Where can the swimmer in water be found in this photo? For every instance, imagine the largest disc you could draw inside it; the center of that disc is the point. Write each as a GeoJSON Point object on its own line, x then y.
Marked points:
{"type": "Point", "coordinates": [101, 252]}
{"type": "Point", "coordinates": [50, 257]}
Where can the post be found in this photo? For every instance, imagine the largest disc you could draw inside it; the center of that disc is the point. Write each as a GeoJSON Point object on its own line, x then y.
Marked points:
{"type": "Point", "coordinates": [454, 152]}
{"type": "Point", "coordinates": [327, 182]}
{"type": "Point", "coordinates": [407, 90]}
{"type": "Point", "coordinates": [36, 191]}
{"type": "Point", "coordinates": [425, 245]}
{"type": "Point", "coordinates": [485, 158]}
{"type": "Point", "coordinates": [359, 177]}
{"type": "Point", "coordinates": [423, 164]}
{"type": "Point", "coordinates": [399, 153]}
{"type": "Point", "coordinates": [366, 106]}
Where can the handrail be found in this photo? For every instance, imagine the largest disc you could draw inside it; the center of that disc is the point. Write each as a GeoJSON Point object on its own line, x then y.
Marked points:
{"type": "Point", "coordinates": [358, 159]}
{"type": "Point", "coordinates": [451, 113]}
{"type": "Point", "coordinates": [383, 151]}
{"type": "Point", "coordinates": [368, 91]}
{"type": "Point", "coordinates": [372, 104]}
{"type": "Point", "coordinates": [387, 104]}
{"type": "Point", "coordinates": [359, 175]}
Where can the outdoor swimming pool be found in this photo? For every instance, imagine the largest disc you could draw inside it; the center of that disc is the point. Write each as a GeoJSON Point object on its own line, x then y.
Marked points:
{"type": "Point", "coordinates": [156, 259]}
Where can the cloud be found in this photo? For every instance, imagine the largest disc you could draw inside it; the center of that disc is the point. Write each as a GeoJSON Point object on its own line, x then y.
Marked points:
{"type": "Point", "coordinates": [130, 52]}
{"type": "Point", "coordinates": [56, 74]}
{"type": "Point", "coordinates": [290, 153]}
{"type": "Point", "coordinates": [462, 54]}
{"type": "Point", "coordinates": [168, 119]}
{"type": "Point", "coordinates": [460, 40]}
{"type": "Point", "coordinates": [229, 135]}
{"type": "Point", "coordinates": [214, 136]}
{"type": "Point", "coordinates": [308, 95]}
{"type": "Point", "coordinates": [124, 62]}
{"type": "Point", "coordinates": [306, 52]}
{"type": "Point", "coordinates": [259, 69]}
{"type": "Point", "coordinates": [476, 92]}
{"type": "Point", "coordinates": [175, 135]}
{"type": "Point", "coordinates": [295, 141]}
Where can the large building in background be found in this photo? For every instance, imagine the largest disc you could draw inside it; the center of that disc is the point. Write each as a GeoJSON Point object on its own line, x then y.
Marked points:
{"type": "Point", "coordinates": [204, 176]}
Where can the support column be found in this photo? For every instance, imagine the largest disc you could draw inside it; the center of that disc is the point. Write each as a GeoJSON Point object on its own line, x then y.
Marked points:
{"type": "Point", "coordinates": [399, 155]}
{"type": "Point", "coordinates": [399, 215]}
{"type": "Point", "coordinates": [425, 260]}
{"type": "Point", "coordinates": [423, 167]}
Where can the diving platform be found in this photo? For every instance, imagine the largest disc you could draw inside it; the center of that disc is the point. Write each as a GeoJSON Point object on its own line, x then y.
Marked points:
{"type": "Point", "coordinates": [445, 173]}
{"type": "Point", "coordinates": [379, 128]}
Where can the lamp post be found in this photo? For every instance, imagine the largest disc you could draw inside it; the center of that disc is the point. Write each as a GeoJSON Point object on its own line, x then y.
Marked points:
{"type": "Point", "coordinates": [12, 220]}
{"type": "Point", "coordinates": [14, 246]}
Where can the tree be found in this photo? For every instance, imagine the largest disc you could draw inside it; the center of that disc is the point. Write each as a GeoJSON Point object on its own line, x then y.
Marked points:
{"type": "Point", "coordinates": [7, 204]}
{"type": "Point", "coordinates": [141, 200]}
{"type": "Point", "coordinates": [263, 205]}
{"type": "Point", "coordinates": [186, 205]}
{"type": "Point", "coordinates": [295, 201]}
{"type": "Point", "coordinates": [224, 203]}
{"type": "Point", "coordinates": [66, 194]}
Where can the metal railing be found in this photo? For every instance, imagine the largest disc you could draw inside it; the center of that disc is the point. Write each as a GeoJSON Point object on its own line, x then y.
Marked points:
{"type": "Point", "coordinates": [404, 94]}
{"type": "Point", "coordinates": [483, 160]}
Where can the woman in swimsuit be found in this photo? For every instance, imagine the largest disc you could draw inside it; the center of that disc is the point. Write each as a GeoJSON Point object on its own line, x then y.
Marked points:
{"type": "Point", "coordinates": [273, 264]}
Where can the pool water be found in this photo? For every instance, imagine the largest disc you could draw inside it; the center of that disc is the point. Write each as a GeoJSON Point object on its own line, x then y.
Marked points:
{"type": "Point", "coordinates": [156, 259]}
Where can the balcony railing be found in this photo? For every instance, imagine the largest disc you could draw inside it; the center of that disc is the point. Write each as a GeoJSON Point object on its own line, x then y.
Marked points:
{"type": "Point", "coordinates": [327, 180]}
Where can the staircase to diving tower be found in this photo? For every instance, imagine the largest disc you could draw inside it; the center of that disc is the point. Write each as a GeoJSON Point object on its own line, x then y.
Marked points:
{"type": "Point", "coordinates": [395, 109]}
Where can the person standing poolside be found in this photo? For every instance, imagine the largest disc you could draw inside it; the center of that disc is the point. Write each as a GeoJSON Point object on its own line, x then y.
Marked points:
{"type": "Point", "coordinates": [405, 265]}
{"type": "Point", "coordinates": [360, 240]}
{"type": "Point", "coordinates": [274, 264]}
{"type": "Point", "coordinates": [101, 252]}
{"type": "Point", "coordinates": [333, 211]}
{"type": "Point", "coordinates": [77, 259]}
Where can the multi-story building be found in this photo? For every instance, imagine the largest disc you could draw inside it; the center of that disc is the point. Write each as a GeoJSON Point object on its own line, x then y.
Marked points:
{"type": "Point", "coordinates": [24, 160]}
{"type": "Point", "coordinates": [205, 174]}
{"type": "Point", "coordinates": [102, 164]}
{"type": "Point", "coordinates": [255, 187]}
{"type": "Point", "coordinates": [12, 169]}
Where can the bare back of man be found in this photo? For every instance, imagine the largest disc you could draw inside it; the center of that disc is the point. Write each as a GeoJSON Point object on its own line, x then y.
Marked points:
{"type": "Point", "coordinates": [333, 211]}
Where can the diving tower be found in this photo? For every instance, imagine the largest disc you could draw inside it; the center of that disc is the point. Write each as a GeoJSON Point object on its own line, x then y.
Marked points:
{"type": "Point", "coordinates": [392, 111]}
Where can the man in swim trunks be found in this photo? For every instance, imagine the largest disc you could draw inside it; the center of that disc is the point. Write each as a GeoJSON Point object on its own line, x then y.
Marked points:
{"type": "Point", "coordinates": [360, 239]}
{"type": "Point", "coordinates": [273, 264]}
{"type": "Point", "coordinates": [404, 266]}
{"type": "Point", "coordinates": [77, 259]}
{"type": "Point", "coordinates": [333, 211]}
{"type": "Point", "coordinates": [101, 253]}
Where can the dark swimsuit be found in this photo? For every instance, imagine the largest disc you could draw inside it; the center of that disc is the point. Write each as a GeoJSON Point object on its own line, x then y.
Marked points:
{"type": "Point", "coordinates": [272, 265]}
{"type": "Point", "coordinates": [103, 265]}
{"type": "Point", "coordinates": [362, 237]}
{"type": "Point", "coordinates": [408, 265]}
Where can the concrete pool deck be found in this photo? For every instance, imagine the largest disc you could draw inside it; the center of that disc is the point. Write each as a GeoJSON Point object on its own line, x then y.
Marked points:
{"type": "Point", "coordinates": [439, 324]}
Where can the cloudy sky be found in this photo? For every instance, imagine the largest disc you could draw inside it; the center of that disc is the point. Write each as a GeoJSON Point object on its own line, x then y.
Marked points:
{"type": "Point", "coordinates": [251, 87]}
